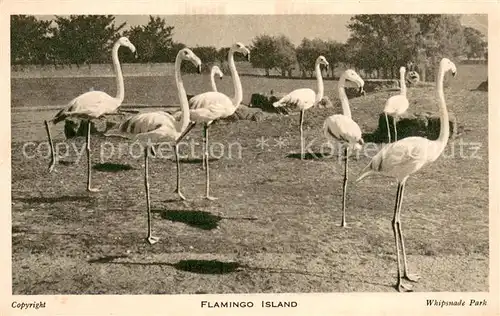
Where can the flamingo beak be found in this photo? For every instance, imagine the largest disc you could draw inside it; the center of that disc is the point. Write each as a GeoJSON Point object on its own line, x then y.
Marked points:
{"type": "Point", "coordinates": [199, 69]}
{"type": "Point", "coordinates": [220, 77]}
{"type": "Point", "coordinates": [248, 57]}
{"type": "Point", "coordinates": [453, 73]}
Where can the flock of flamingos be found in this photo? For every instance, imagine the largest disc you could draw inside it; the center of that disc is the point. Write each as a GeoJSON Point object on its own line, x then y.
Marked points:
{"type": "Point", "coordinates": [398, 159]}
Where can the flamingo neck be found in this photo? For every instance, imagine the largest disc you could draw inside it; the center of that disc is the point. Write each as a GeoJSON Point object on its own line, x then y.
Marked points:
{"type": "Point", "coordinates": [182, 96]}
{"type": "Point", "coordinates": [444, 132]}
{"type": "Point", "coordinates": [238, 90]}
{"type": "Point", "coordinates": [212, 80]}
{"type": "Point", "coordinates": [402, 83]}
{"type": "Point", "coordinates": [319, 80]}
{"type": "Point", "coordinates": [120, 89]}
{"type": "Point", "coordinates": [343, 97]}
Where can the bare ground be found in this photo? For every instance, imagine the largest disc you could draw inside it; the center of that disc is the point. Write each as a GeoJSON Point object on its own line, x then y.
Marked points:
{"type": "Point", "coordinates": [274, 227]}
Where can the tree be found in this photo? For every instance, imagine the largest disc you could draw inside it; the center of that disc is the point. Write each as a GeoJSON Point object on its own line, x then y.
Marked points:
{"type": "Point", "coordinates": [285, 56]}
{"type": "Point", "coordinates": [335, 54]}
{"type": "Point", "coordinates": [263, 52]}
{"type": "Point", "coordinates": [80, 39]}
{"type": "Point", "coordinates": [153, 41]}
{"type": "Point", "coordinates": [474, 42]}
{"type": "Point", "coordinates": [30, 40]}
{"type": "Point", "coordinates": [307, 53]}
{"type": "Point", "coordinates": [386, 42]}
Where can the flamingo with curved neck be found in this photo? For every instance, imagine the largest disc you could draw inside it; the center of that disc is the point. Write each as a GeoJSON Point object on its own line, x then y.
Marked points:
{"type": "Point", "coordinates": [155, 127]}
{"type": "Point", "coordinates": [215, 71]}
{"type": "Point", "coordinates": [405, 157]}
{"type": "Point", "coordinates": [210, 106]}
{"type": "Point", "coordinates": [304, 99]}
{"type": "Point", "coordinates": [92, 105]}
{"type": "Point", "coordinates": [342, 128]}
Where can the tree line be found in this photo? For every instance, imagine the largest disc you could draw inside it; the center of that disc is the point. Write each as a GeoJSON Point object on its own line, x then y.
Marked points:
{"type": "Point", "coordinates": [378, 44]}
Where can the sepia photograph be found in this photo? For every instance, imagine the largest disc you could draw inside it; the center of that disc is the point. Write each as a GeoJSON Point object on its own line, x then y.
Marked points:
{"type": "Point", "coordinates": [249, 154]}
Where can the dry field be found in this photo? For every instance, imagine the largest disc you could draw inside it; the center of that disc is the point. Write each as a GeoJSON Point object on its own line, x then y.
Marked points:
{"type": "Point", "coordinates": [275, 226]}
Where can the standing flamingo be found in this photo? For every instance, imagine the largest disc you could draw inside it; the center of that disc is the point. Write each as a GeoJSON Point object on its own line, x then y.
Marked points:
{"type": "Point", "coordinates": [407, 156]}
{"type": "Point", "coordinates": [92, 105]}
{"type": "Point", "coordinates": [397, 104]}
{"type": "Point", "coordinates": [342, 128]}
{"type": "Point", "coordinates": [213, 72]}
{"type": "Point", "coordinates": [304, 99]}
{"type": "Point", "coordinates": [209, 106]}
{"type": "Point", "coordinates": [155, 127]}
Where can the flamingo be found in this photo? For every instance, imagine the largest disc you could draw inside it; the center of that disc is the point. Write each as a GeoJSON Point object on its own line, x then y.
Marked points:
{"type": "Point", "coordinates": [92, 105]}
{"type": "Point", "coordinates": [397, 104]}
{"type": "Point", "coordinates": [304, 99]}
{"type": "Point", "coordinates": [154, 127]}
{"type": "Point", "coordinates": [210, 106]}
{"type": "Point", "coordinates": [213, 72]}
{"type": "Point", "coordinates": [405, 157]}
{"type": "Point", "coordinates": [342, 128]}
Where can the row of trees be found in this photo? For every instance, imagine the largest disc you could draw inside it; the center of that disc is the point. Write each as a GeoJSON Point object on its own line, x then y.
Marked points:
{"type": "Point", "coordinates": [378, 44]}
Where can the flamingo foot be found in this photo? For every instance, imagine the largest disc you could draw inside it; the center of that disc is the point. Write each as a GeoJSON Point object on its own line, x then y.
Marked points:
{"type": "Point", "coordinates": [152, 240]}
{"type": "Point", "coordinates": [181, 196]}
{"type": "Point", "coordinates": [403, 287]}
{"type": "Point", "coordinates": [93, 190]}
{"type": "Point", "coordinates": [344, 225]}
{"type": "Point", "coordinates": [52, 165]}
{"type": "Point", "coordinates": [210, 198]}
{"type": "Point", "coordinates": [411, 277]}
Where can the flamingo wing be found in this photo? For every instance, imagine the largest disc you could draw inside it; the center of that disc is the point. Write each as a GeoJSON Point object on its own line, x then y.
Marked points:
{"type": "Point", "coordinates": [300, 98]}
{"type": "Point", "coordinates": [403, 157]}
{"type": "Point", "coordinates": [342, 128]}
{"type": "Point", "coordinates": [154, 126]}
{"type": "Point", "coordinates": [397, 104]}
{"type": "Point", "coordinates": [92, 104]}
{"type": "Point", "coordinates": [210, 106]}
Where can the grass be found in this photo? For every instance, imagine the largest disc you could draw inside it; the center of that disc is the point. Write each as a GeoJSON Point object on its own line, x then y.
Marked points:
{"type": "Point", "coordinates": [274, 227]}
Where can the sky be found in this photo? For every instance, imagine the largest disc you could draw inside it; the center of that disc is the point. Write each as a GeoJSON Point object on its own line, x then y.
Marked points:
{"type": "Point", "coordinates": [224, 30]}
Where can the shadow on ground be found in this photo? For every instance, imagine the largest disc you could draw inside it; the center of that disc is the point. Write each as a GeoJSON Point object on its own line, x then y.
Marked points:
{"type": "Point", "coordinates": [195, 160]}
{"type": "Point", "coordinates": [217, 267]}
{"type": "Point", "coordinates": [112, 167]}
{"type": "Point", "coordinates": [309, 156]}
{"type": "Point", "coordinates": [55, 199]}
{"type": "Point", "coordinates": [198, 219]}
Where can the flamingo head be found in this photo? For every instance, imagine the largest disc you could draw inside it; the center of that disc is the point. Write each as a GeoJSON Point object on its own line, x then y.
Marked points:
{"type": "Point", "coordinates": [187, 54]}
{"type": "Point", "coordinates": [124, 41]}
{"type": "Point", "coordinates": [240, 48]}
{"type": "Point", "coordinates": [448, 65]}
{"type": "Point", "coordinates": [216, 71]}
{"type": "Point", "coordinates": [353, 76]}
{"type": "Point", "coordinates": [322, 61]}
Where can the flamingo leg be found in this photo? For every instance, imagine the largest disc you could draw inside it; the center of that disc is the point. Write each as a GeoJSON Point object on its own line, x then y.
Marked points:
{"type": "Point", "coordinates": [89, 161]}
{"type": "Point", "coordinates": [207, 172]}
{"type": "Point", "coordinates": [399, 285]}
{"type": "Point", "coordinates": [177, 161]}
{"type": "Point", "coordinates": [151, 239]}
{"type": "Point", "coordinates": [388, 128]}
{"type": "Point", "coordinates": [178, 189]}
{"type": "Point", "coordinates": [395, 129]}
{"type": "Point", "coordinates": [344, 188]}
{"type": "Point", "coordinates": [406, 275]}
{"type": "Point", "coordinates": [204, 163]}
{"type": "Point", "coordinates": [52, 152]}
{"type": "Point", "coordinates": [301, 134]}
